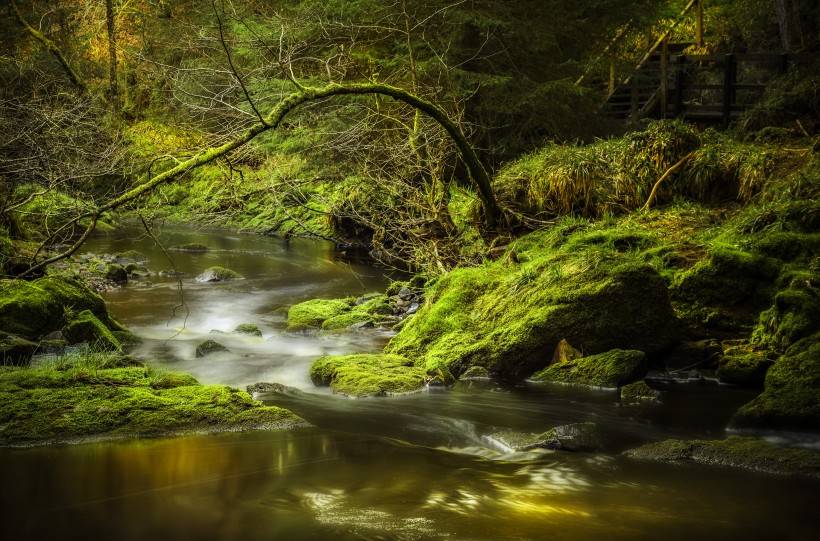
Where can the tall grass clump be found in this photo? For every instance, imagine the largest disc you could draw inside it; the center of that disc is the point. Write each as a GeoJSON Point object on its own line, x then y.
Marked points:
{"type": "Point", "coordinates": [617, 175]}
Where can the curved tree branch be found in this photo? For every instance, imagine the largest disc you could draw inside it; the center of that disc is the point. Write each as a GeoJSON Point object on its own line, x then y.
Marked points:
{"type": "Point", "coordinates": [478, 174]}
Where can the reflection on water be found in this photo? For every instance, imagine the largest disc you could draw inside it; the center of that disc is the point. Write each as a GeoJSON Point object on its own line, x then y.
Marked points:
{"type": "Point", "coordinates": [318, 484]}
{"type": "Point", "coordinates": [407, 468]}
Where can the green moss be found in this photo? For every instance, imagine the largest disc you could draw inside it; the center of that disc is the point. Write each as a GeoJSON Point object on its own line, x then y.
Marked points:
{"type": "Point", "coordinates": [370, 309]}
{"type": "Point", "coordinates": [85, 327]}
{"type": "Point", "coordinates": [209, 346]}
{"type": "Point", "coordinates": [248, 328]}
{"type": "Point", "coordinates": [510, 317]}
{"type": "Point", "coordinates": [15, 350]}
{"type": "Point", "coordinates": [728, 277]}
{"type": "Point", "coordinates": [311, 314]}
{"type": "Point", "coordinates": [746, 369]}
{"type": "Point", "coordinates": [32, 309]}
{"type": "Point", "coordinates": [347, 320]}
{"type": "Point", "coordinates": [791, 393]}
{"type": "Point", "coordinates": [65, 403]}
{"type": "Point", "coordinates": [734, 452]}
{"type": "Point", "coordinates": [795, 313]}
{"type": "Point", "coordinates": [639, 393]}
{"type": "Point", "coordinates": [367, 374]}
{"type": "Point", "coordinates": [611, 369]}
{"type": "Point", "coordinates": [218, 274]}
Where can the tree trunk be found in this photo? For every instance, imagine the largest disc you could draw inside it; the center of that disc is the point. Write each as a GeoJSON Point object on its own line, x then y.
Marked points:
{"type": "Point", "coordinates": [788, 18]}
{"type": "Point", "coordinates": [113, 90]}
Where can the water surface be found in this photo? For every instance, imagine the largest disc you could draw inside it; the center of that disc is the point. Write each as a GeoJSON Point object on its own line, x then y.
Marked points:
{"type": "Point", "coordinates": [414, 467]}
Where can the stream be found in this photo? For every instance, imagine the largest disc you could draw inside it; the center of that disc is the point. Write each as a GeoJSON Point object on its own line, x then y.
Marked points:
{"type": "Point", "coordinates": [412, 467]}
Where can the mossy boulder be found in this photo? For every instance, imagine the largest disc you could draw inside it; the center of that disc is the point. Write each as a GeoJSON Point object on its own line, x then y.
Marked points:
{"type": "Point", "coordinates": [96, 399]}
{"type": "Point", "coordinates": [31, 309]}
{"type": "Point", "coordinates": [86, 328]}
{"type": "Point", "coordinates": [367, 374]}
{"type": "Point", "coordinates": [747, 369]}
{"type": "Point", "coordinates": [639, 393]}
{"type": "Point", "coordinates": [578, 437]}
{"type": "Point", "coordinates": [727, 289]}
{"type": "Point", "coordinates": [791, 394]}
{"type": "Point", "coordinates": [15, 350]}
{"type": "Point", "coordinates": [313, 313]}
{"type": "Point", "coordinates": [116, 273]}
{"type": "Point", "coordinates": [249, 329]}
{"type": "Point", "coordinates": [339, 314]}
{"type": "Point", "coordinates": [734, 452]}
{"type": "Point", "coordinates": [510, 319]}
{"type": "Point", "coordinates": [794, 314]}
{"type": "Point", "coordinates": [218, 274]}
{"type": "Point", "coordinates": [612, 369]}
{"type": "Point", "coordinates": [209, 346]}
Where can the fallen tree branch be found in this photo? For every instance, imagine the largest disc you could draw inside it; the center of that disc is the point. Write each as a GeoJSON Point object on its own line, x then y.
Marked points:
{"type": "Point", "coordinates": [667, 174]}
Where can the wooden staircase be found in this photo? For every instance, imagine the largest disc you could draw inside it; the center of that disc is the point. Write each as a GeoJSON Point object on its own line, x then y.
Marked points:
{"type": "Point", "coordinates": [640, 93]}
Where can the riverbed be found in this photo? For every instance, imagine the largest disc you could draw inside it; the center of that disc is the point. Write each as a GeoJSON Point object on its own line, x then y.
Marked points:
{"type": "Point", "coordinates": [420, 466]}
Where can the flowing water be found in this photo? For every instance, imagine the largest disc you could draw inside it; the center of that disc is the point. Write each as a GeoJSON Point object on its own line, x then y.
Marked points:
{"type": "Point", "coordinates": [413, 467]}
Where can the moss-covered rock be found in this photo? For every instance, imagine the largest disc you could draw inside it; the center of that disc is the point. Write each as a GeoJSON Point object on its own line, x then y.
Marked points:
{"type": "Point", "coordinates": [248, 328]}
{"type": "Point", "coordinates": [370, 310]}
{"type": "Point", "coordinates": [726, 290]}
{"type": "Point", "coordinates": [572, 437]}
{"type": "Point", "coordinates": [209, 346]}
{"type": "Point", "coordinates": [612, 369]}
{"type": "Point", "coordinates": [510, 318]}
{"type": "Point", "coordinates": [91, 399]}
{"type": "Point", "coordinates": [475, 372]}
{"type": "Point", "coordinates": [33, 308]}
{"type": "Point", "coordinates": [85, 327]}
{"type": "Point", "coordinates": [735, 452]}
{"type": "Point", "coordinates": [116, 273]}
{"type": "Point", "coordinates": [639, 393]}
{"type": "Point", "coordinates": [795, 313]}
{"type": "Point", "coordinates": [15, 350]}
{"type": "Point", "coordinates": [218, 274]}
{"type": "Point", "coordinates": [367, 374]}
{"type": "Point", "coordinates": [791, 395]}
{"type": "Point", "coordinates": [313, 313]}
{"type": "Point", "coordinates": [747, 369]}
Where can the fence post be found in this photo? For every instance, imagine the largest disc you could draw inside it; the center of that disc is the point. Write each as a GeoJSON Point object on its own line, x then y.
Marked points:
{"type": "Point", "coordinates": [729, 76]}
{"type": "Point", "coordinates": [699, 23]}
{"type": "Point", "coordinates": [611, 76]}
{"type": "Point", "coordinates": [664, 90]}
{"type": "Point", "coordinates": [680, 81]}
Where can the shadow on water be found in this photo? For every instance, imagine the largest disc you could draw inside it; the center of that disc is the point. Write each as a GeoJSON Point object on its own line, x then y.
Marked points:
{"type": "Point", "coordinates": [404, 468]}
